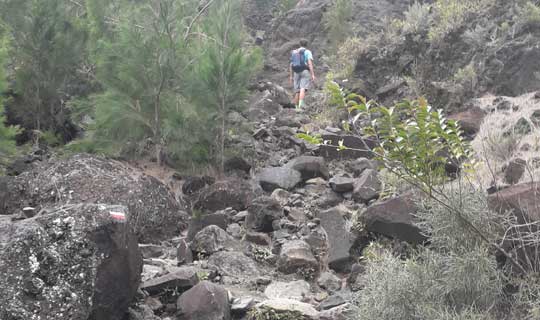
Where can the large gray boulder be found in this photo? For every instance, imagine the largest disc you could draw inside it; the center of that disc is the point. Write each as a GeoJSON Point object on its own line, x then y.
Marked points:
{"type": "Point", "coordinates": [296, 257]}
{"type": "Point", "coordinates": [394, 218]}
{"type": "Point", "coordinates": [205, 301]}
{"type": "Point", "coordinates": [156, 214]}
{"type": "Point", "coordinates": [340, 240]}
{"type": "Point", "coordinates": [180, 279]}
{"type": "Point", "coordinates": [230, 193]}
{"type": "Point", "coordinates": [357, 147]}
{"type": "Point", "coordinates": [294, 290]}
{"type": "Point", "coordinates": [262, 213]}
{"type": "Point", "coordinates": [367, 187]}
{"type": "Point", "coordinates": [293, 309]}
{"type": "Point", "coordinates": [76, 262]}
{"type": "Point", "coordinates": [279, 178]}
{"type": "Point", "coordinates": [310, 167]}
{"type": "Point", "coordinates": [212, 239]}
{"type": "Point", "coordinates": [235, 264]}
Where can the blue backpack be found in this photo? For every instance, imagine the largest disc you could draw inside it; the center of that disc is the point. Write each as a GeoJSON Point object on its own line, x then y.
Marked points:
{"type": "Point", "coordinates": [298, 60]}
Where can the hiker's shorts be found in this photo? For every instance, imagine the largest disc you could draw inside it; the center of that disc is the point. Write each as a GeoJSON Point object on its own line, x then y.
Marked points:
{"type": "Point", "coordinates": [302, 80]}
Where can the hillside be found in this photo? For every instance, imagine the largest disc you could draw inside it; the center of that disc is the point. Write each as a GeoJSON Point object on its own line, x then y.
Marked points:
{"type": "Point", "coordinates": [193, 189]}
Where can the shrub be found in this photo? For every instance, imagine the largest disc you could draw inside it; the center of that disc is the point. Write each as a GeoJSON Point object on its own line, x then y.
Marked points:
{"type": "Point", "coordinates": [417, 18]}
{"type": "Point", "coordinates": [528, 14]}
{"type": "Point", "coordinates": [450, 15]}
{"type": "Point", "coordinates": [336, 20]}
{"type": "Point", "coordinates": [455, 278]}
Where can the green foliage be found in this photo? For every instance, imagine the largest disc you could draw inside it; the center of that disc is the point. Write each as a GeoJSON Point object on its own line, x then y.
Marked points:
{"type": "Point", "coordinates": [7, 134]}
{"type": "Point", "coordinates": [451, 14]}
{"type": "Point", "coordinates": [417, 18]}
{"type": "Point", "coordinates": [528, 14]}
{"type": "Point", "coordinates": [459, 280]}
{"type": "Point", "coordinates": [337, 21]}
{"type": "Point", "coordinates": [414, 140]}
{"type": "Point", "coordinates": [466, 77]}
{"type": "Point", "coordinates": [224, 68]}
{"type": "Point", "coordinates": [48, 47]}
{"type": "Point", "coordinates": [266, 313]}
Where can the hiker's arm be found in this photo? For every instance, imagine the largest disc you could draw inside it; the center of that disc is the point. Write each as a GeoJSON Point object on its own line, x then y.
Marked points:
{"type": "Point", "coordinates": [311, 69]}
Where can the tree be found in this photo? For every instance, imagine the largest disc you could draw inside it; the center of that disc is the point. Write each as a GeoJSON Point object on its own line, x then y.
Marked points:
{"type": "Point", "coordinates": [224, 68]}
{"type": "Point", "coordinates": [48, 45]}
{"type": "Point", "coordinates": [7, 134]}
{"type": "Point", "coordinates": [141, 68]}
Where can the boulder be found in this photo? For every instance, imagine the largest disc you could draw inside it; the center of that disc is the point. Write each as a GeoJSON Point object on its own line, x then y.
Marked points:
{"type": "Point", "coordinates": [310, 167]}
{"type": "Point", "coordinates": [522, 127]}
{"type": "Point", "coordinates": [237, 163]}
{"type": "Point", "coordinates": [358, 147]}
{"type": "Point", "coordinates": [367, 187]}
{"type": "Point", "coordinates": [394, 218]}
{"type": "Point", "coordinates": [279, 178]}
{"type": "Point", "coordinates": [192, 185]}
{"type": "Point", "coordinates": [296, 256]}
{"type": "Point", "coordinates": [329, 281]}
{"type": "Point", "coordinates": [291, 118]}
{"type": "Point", "coordinates": [342, 184]}
{"type": "Point", "coordinates": [155, 212]}
{"type": "Point", "coordinates": [201, 221]}
{"type": "Point", "coordinates": [234, 264]}
{"type": "Point", "coordinates": [343, 311]}
{"type": "Point", "coordinates": [294, 290]}
{"type": "Point", "coordinates": [521, 200]}
{"type": "Point", "coordinates": [514, 171]}
{"type": "Point", "coordinates": [535, 117]}
{"type": "Point", "coordinates": [259, 238]}
{"type": "Point", "coordinates": [358, 166]}
{"type": "Point", "coordinates": [469, 121]}
{"type": "Point", "coordinates": [205, 301]}
{"type": "Point", "coordinates": [76, 262]}
{"type": "Point", "coordinates": [184, 254]}
{"type": "Point", "coordinates": [340, 240]}
{"type": "Point", "coordinates": [292, 308]}
{"type": "Point", "coordinates": [181, 280]}
{"type": "Point", "coordinates": [212, 239]}
{"type": "Point", "coordinates": [262, 212]}
{"type": "Point", "coordinates": [233, 193]}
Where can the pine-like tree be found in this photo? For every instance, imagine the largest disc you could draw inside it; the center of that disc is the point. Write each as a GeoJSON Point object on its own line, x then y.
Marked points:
{"type": "Point", "coordinates": [225, 66]}
{"type": "Point", "coordinates": [141, 70]}
{"type": "Point", "coordinates": [7, 134]}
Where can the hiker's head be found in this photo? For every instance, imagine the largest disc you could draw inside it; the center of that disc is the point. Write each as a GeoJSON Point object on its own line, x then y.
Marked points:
{"type": "Point", "coordinates": [303, 43]}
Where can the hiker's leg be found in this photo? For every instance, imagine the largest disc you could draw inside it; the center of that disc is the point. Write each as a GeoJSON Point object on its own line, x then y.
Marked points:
{"type": "Point", "coordinates": [296, 99]}
{"type": "Point", "coordinates": [301, 97]}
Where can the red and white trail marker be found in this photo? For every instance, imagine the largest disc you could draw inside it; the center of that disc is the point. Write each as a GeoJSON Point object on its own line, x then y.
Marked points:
{"type": "Point", "coordinates": [119, 216]}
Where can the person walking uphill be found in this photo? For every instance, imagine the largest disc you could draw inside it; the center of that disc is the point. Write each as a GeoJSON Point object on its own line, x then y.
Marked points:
{"type": "Point", "coordinates": [301, 72]}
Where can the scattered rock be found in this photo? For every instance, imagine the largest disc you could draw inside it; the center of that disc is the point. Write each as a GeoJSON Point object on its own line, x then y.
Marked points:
{"type": "Point", "coordinates": [201, 221]}
{"type": "Point", "coordinates": [310, 167]}
{"type": "Point", "coordinates": [282, 178]}
{"type": "Point", "coordinates": [514, 171]}
{"type": "Point", "coordinates": [235, 264]}
{"type": "Point", "coordinates": [205, 301]}
{"type": "Point", "coordinates": [367, 187]}
{"type": "Point", "coordinates": [212, 239]}
{"type": "Point", "coordinates": [329, 281]}
{"type": "Point", "coordinates": [295, 290]}
{"type": "Point", "coordinates": [151, 251]}
{"type": "Point", "coordinates": [357, 147]}
{"type": "Point", "coordinates": [233, 193]}
{"type": "Point", "coordinates": [535, 117]}
{"type": "Point", "coordinates": [76, 262]}
{"type": "Point", "coordinates": [237, 163]}
{"type": "Point", "coordinates": [192, 185]}
{"type": "Point", "coordinates": [294, 309]}
{"type": "Point", "coordinates": [259, 238]}
{"type": "Point", "coordinates": [182, 279]}
{"type": "Point", "coordinates": [358, 166]}
{"type": "Point", "coordinates": [522, 127]}
{"type": "Point", "coordinates": [332, 302]}
{"type": "Point", "coordinates": [394, 218]}
{"type": "Point", "coordinates": [183, 253]}
{"type": "Point", "coordinates": [340, 240]}
{"type": "Point", "coordinates": [262, 213]}
{"type": "Point", "coordinates": [342, 184]}
{"type": "Point", "coordinates": [341, 312]}
{"type": "Point", "coordinates": [470, 120]}
{"type": "Point", "coordinates": [296, 256]}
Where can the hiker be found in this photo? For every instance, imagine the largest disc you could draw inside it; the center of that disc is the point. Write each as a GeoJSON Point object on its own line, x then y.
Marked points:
{"type": "Point", "coordinates": [301, 72]}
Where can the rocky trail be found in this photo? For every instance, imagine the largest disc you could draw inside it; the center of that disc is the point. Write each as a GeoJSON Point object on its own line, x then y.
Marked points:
{"type": "Point", "coordinates": [280, 236]}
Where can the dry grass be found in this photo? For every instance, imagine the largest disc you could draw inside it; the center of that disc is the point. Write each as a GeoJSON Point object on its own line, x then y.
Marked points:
{"type": "Point", "coordinates": [496, 143]}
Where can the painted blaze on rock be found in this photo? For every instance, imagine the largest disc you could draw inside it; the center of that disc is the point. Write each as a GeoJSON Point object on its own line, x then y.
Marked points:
{"type": "Point", "coordinates": [78, 262]}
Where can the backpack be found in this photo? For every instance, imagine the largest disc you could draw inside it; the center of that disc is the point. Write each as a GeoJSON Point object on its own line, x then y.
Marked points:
{"type": "Point", "coordinates": [298, 60]}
